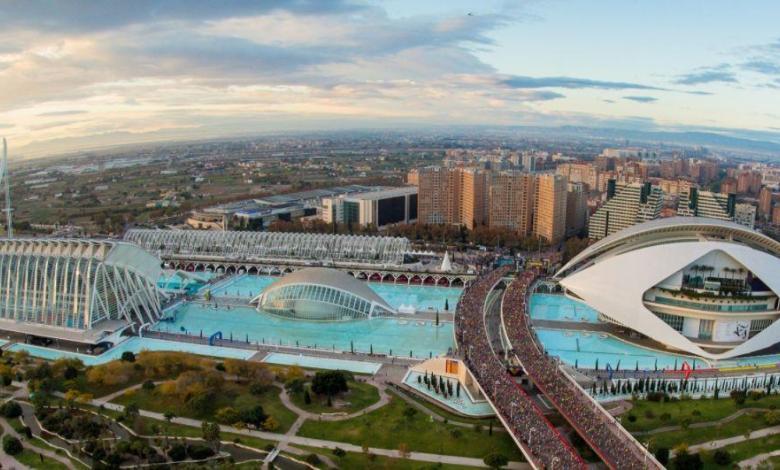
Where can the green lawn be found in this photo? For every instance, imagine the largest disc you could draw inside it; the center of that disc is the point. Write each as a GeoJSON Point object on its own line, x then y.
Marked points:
{"type": "Point", "coordinates": [745, 450]}
{"type": "Point", "coordinates": [708, 410]}
{"type": "Point", "coordinates": [738, 427]}
{"type": "Point", "coordinates": [360, 460]}
{"type": "Point", "coordinates": [484, 422]}
{"type": "Point", "coordinates": [233, 394]}
{"type": "Point", "coordinates": [387, 428]}
{"type": "Point", "coordinates": [33, 460]}
{"type": "Point", "coordinates": [360, 395]}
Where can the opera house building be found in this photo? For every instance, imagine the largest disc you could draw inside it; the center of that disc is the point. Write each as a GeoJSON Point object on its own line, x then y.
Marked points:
{"type": "Point", "coordinates": [701, 286]}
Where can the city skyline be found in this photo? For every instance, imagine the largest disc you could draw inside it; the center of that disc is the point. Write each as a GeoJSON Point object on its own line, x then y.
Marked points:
{"type": "Point", "coordinates": [76, 75]}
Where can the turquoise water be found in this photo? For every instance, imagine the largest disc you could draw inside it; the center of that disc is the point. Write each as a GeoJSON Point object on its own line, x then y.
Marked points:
{"type": "Point", "coordinates": [561, 308]}
{"type": "Point", "coordinates": [419, 297]}
{"type": "Point", "coordinates": [300, 360]}
{"type": "Point", "coordinates": [463, 404]}
{"type": "Point", "coordinates": [751, 361]}
{"type": "Point", "coordinates": [423, 338]}
{"type": "Point", "coordinates": [397, 295]}
{"type": "Point", "coordinates": [585, 347]}
{"type": "Point", "coordinates": [243, 285]}
{"type": "Point", "coordinates": [135, 345]}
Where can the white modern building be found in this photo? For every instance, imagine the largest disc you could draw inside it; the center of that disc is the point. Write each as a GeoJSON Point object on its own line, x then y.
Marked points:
{"type": "Point", "coordinates": [377, 208]}
{"type": "Point", "coordinates": [701, 286]}
{"type": "Point", "coordinates": [83, 291]}
{"type": "Point", "coordinates": [322, 294]}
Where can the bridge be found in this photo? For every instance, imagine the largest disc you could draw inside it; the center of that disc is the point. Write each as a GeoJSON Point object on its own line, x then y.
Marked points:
{"type": "Point", "coordinates": [540, 442]}
{"type": "Point", "coordinates": [611, 442]}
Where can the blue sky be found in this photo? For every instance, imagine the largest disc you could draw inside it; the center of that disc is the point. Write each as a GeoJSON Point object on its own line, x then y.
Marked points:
{"type": "Point", "coordinates": [79, 74]}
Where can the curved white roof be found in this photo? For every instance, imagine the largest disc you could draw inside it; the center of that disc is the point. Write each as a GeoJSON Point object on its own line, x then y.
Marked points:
{"type": "Point", "coordinates": [615, 285]}
{"type": "Point", "coordinates": [331, 278]}
{"type": "Point", "coordinates": [671, 230]}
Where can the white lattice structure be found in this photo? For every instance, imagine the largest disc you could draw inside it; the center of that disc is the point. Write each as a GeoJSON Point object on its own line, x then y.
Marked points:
{"type": "Point", "coordinates": [75, 289]}
{"type": "Point", "coordinates": [270, 246]}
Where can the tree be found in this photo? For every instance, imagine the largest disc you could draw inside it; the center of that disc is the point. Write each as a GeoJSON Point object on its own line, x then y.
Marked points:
{"type": "Point", "coordinates": [306, 397]}
{"type": "Point", "coordinates": [12, 445]}
{"type": "Point", "coordinates": [403, 450]}
{"type": "Point", "coordinates": [11, 410]}
{"type": "Point", "coordinates": [721, 457]}
{"type": "Point", "coordinates": [211, 434]}
{"type": "Point", "coordinates": [662, 455]}
{"type": "Point", "coordinates": [496, 460]}
{"type": "Point", "coordinates": [128, 356]}
{"type": "Point", "coordinates": [684, 460]}
{"type": "Point", "coordinates": [330, 382]}
{"type": "Point", "coordinates": [254, 415]}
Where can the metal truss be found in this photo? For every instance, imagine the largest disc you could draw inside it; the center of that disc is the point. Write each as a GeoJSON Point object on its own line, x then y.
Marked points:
{"type": "Point", "coordinates": [256, 246]}
{"type": "Point", "coordinates": [75, 283]}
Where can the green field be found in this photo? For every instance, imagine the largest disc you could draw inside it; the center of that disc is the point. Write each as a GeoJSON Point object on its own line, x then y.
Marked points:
{"type": "Point", "coordinates": [360, 395]}
{"type": "Point", "coordinates": [388, 428]}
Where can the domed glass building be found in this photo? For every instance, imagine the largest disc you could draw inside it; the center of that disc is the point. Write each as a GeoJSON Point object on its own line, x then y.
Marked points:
{"type": "Point", "coordinates": [322, 294]}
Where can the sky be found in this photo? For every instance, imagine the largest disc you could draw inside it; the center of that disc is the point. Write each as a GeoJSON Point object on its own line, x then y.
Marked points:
{"type": "Point", "coordinates": [80, 74]}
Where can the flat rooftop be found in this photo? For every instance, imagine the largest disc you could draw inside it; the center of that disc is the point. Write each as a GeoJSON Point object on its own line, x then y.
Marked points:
{"type": "Point", "coordinates": [92, 336]}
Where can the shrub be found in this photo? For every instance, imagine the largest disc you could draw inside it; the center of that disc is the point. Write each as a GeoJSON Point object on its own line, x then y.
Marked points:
{"type": "Point", "coordinates": [312, 459]}
{"type": "Point", "coordinates": [772, 418]}
{"type": "Point", "coordinates": [687, 461]}
{"type": "Point", "coordinates": [665, 417]}
{"type": "Point", "coordinates": [220, 367]}
{"type": "Point", "coordinates": [721, 457]}
{"type": "Point", "coordinates": [199, 451]}
{"type": "Point", "coordinates": [11, 410]}
{"type": "Point", "coordinates": [339, 452]}
{"type": "Point", "coordinates": [128, 356]}
{"type": "Point", "coordinates": [177, 452]}
{"type": "Point", "coordinates": [257, 388]}
{"type": "Point", "coordinates": [755, 395]}
{"type": "Point", "coordinates": [631, 418]}
{"type": "Point", "coordinates": [148, 385]}
{"type": "Point", "coordinates": [662, 454]}
{"type": "Point", "coordinates": [12, 445]}
{"type": "Point", "coordinates": [649, 414]}
{"type": "Point", "coordinates": [495, 460]}
{"type": "Point", "coordinates": [738, 396]}
{"type": "Point", "coordinates": [657, 397]}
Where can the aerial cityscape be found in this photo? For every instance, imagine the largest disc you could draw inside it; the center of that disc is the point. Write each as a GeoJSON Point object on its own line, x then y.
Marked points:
{"type": "Point", "coordinates": [359, 234]}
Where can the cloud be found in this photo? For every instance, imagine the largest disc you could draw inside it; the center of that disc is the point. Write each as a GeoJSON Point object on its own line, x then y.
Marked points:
{"type": "Point", "coordinates": [641, 99]}
{"type": "Point", "coordinates": [87, 15]}
{"type": "Point", "coordinates": [69, 112]}
{"type": "Point", "coordinates": [518, 81]}
{"type": "Point", "coordinates": [765, 67]}
{"type": "Point", "coordinates": [711, 75]}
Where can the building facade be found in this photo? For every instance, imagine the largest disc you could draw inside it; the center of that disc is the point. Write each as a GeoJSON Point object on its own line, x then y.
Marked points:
{"type": "Point", "coordinates": [626, 205]}
{"type": "Point", "coordinates": [377, 208]}
{"type": "Point", "coordinates": [550, 208]}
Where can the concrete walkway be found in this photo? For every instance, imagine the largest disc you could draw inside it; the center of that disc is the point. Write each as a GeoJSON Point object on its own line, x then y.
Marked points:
{"type": "Point", "coordinates": [703, 424]}
{"type": "Point", "coordinates": [757, 460]}
{"type": "Point", "coordinates": [8, 429]}
{"type": "Point", "coordinates": [285, 439]}
{"type": "Point", "coordinates": [384, 399]}
{"type": "Point", "coordinates": [718, 443]}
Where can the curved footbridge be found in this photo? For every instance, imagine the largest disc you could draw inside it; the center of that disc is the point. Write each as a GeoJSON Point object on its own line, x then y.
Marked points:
{"type": "Point", "coordinates": [537, 438]}
{"type": "Point", "coordinates": [542, 444]}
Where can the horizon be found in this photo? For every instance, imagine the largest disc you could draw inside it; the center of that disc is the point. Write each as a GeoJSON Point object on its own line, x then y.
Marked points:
{"type": "Point", "coordinates": [82, 76]}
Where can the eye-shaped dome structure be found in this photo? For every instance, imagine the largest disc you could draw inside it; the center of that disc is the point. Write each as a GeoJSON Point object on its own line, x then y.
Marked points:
{"type": "Point", "coordinates": [706, 287]}
{"type": "Point", "coordinates": [322, 294]}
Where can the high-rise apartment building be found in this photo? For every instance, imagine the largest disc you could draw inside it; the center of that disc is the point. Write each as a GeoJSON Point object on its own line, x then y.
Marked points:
{"type": "Point", "coordinates": [512, 196]}
{"type": "Point", "coordinates": [474, 186]}
{"type": "Point", "coordinates": [696, 203]}
{"type": "Point", "coordinates": [550, 207]}
{"type": "Point", "coordinates": [576, 208]}
{"type": "Point", "coordinates": [626, 205]}
{"type": "Point", "coordinates": [745, 214]}
{"type": "Point", "coordinates": [581, 173]}
{"type": "Point", "coordinates": [765, 203]}
{"type": "Point", "coordinates": [453, 195]}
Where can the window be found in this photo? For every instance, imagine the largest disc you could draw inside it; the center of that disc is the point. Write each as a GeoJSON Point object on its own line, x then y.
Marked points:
{"type": "Point", "coordinates": [705, 329]}
{"type": "Point", "coordinates": [757, 326]}
{"type": "Point", "coordinates": [675, 321]}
